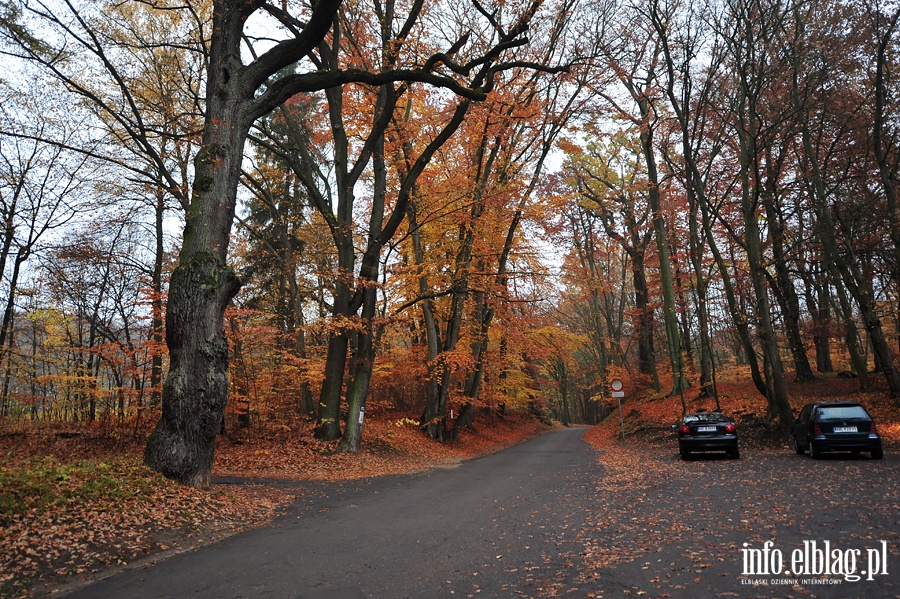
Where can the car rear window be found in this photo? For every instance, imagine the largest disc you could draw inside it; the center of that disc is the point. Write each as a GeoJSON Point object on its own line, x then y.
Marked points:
{"type": "Point", "coordinates": [710, 417]}
{"type": "Point", "coordinates": [842, 413]}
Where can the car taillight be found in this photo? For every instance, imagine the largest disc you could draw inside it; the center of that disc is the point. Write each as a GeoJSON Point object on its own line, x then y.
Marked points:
{"type": "Point", "coordinates": [684, 429]}
{"type": "Point", "coordinates": [817, 430]}
{"type": "Point", "coordinates": [873, 428]}
{"type": "Point", "coordinates": [730, 428]}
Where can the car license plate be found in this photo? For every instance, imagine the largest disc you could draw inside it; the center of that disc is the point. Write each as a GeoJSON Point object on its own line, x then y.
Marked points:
{"type": "Point", "coordinates": [845, 429]}
{"type": "Point", "coordinates": [706, 429]}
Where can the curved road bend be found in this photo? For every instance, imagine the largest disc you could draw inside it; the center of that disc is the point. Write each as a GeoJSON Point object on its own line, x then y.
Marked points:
{"type": "Point", "coordinates": [502, 525]}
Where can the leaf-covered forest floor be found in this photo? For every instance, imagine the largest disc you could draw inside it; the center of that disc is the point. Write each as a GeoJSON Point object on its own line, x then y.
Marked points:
{"type": "Point", "coordinates": [76, 503]}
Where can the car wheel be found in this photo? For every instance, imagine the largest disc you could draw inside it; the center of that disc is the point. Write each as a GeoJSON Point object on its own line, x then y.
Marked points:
{"type": "Point", "coordinates": [877, 454]}
{"type": "Point", "coordinates": [814, 452]}
{"type": "Point", "coordinates": [734, 454]}
{"type": "Point", "coordinates": [685, 455]}
{"type": "Point", "coordinates": [798, 448]}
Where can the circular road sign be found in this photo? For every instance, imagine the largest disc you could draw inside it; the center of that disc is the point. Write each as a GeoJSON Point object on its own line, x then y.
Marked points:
{"type": "Point", "coordinates": [616, 384]}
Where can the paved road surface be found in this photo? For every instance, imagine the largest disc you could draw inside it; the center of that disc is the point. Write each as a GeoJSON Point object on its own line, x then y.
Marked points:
{"type": "Point", "coordinates": [496, 524]}
{"type": "Point", "coordinates": [532, 520]}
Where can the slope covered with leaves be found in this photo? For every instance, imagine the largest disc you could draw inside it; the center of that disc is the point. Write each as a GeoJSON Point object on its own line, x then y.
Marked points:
{"type": "Point", "coordinates": [647, 416]}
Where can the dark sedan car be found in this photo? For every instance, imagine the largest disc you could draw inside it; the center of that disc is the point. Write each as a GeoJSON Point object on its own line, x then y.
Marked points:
{"type": "Point", "coordinates": [707, 431]}
{"type": "Point", "coordinates": [836, 426]}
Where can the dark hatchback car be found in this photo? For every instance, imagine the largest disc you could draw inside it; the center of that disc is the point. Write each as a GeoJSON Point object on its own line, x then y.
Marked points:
{"type": "Point", "coordinates": [836, 426]}
{"type": "Point", "coordinates": [707, 431]}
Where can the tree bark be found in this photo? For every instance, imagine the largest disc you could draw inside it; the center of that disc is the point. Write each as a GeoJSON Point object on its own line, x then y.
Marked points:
{"type": "Point", "coordinates": [196, 388]}
{"type": "Point", "coordinates": [819, 305]}
{"type": "Point", "coordinates": [777, 395]}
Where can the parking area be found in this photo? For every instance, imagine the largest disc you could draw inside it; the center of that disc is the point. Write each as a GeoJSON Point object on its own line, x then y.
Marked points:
{"type": "Point", "coordinates": [771, 524]}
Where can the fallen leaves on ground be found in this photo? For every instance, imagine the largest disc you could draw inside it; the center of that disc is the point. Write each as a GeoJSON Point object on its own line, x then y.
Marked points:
{"type": "Point", "coordinates": [393, 445]}
{"type": "Point", "coordinates": [82, 530]}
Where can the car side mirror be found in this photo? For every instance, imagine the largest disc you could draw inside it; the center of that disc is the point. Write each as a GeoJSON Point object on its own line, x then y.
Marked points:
{"type": "Point", "coordinates": [674, 427]}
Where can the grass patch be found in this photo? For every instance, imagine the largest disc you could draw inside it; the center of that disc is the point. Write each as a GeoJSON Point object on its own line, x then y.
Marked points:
{"type": "Point", "coordinates": [41, 484]}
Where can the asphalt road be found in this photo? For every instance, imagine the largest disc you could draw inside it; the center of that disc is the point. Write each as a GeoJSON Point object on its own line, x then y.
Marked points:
{"type": "Point", "coordinates": [547, 519]}
{"type": "Point", "coordinates": [494, 525]}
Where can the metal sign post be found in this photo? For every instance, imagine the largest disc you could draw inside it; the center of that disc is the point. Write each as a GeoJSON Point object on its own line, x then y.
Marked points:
{"type": "Point", "coordinates": [617, 385]}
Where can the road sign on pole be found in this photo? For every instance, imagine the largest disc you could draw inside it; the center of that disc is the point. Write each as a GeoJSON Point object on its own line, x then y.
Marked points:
{"type": "Point", "coordinates": [617, 387]}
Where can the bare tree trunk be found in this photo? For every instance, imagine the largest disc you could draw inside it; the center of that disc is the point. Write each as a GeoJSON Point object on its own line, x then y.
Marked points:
{"type": "Point", "coordinates": [196, 388]}
{"type": "Point", "coordinates": [819, 306]}
{"type": "Point", "coordinates": [432, 338]}
{"type": "Point", "coordinates": [783, 285]}
{"type": "Point", "coordinates": [328, 419]}
{"type": "Point", "coordinates": [851, 337]}
{"type": "Point", "coordinates": [358, 389]}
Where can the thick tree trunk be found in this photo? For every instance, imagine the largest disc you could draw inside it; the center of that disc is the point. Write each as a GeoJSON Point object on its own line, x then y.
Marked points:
{"type": "Point", "coordinates": [196, 388]}
{"type": "Point", "coordinates": [823, 354]}
{"type": "Point", "coordinates": [328, 421]}
{"type": "Point", "coordinates": [646, 355]}
{"type": "Point", "coordinates": [358, 388]}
